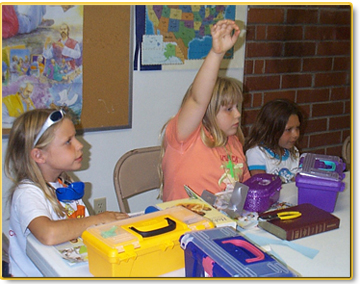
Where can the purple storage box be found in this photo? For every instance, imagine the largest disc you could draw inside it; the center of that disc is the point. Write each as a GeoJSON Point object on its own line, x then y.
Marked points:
{"type": "Point", "coordinates": [319, 180]}
{"type": "Point", "coordinates": [264, 191]}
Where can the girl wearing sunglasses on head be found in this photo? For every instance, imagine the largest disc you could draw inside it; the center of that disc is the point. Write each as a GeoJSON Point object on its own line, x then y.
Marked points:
{"type": "Point", "coordinates": [42, 147]}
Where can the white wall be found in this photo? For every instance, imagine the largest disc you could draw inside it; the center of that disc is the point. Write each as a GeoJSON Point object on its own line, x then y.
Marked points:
{"type": "Point", "coordinates": [156, 97]}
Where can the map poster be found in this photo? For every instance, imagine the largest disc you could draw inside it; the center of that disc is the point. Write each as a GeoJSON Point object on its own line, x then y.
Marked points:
{"type": "Point", "coordinates": [179, 37]}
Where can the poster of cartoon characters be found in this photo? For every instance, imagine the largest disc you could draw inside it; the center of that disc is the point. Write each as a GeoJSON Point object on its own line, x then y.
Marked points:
{"type": "Point", "coordinates": [41, 59]}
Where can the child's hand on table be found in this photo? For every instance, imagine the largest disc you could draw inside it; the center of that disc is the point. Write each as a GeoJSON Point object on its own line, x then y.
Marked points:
{"type": "Point", "coordinates": [109, 216]}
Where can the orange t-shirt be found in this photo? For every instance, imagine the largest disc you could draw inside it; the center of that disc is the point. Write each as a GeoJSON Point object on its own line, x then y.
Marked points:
{"type": "Point", "coordinates": [194, 164]}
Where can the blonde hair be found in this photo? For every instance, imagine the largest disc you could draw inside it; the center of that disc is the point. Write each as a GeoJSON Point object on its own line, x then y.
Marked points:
{"type": "Point", "coordinates": [227, 91]}
{"type": "Point", "coordinates": [19, 166]}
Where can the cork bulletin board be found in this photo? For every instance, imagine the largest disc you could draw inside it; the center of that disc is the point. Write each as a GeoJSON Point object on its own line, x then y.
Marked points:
{"type": "Point", "coordinates": [107, 58]}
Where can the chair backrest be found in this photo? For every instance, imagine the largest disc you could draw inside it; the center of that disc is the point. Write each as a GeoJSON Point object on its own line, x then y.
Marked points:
{"type": "Point", "coordinates": [346, 152]}
{"type": "Point", "coordinates": [136, 172]}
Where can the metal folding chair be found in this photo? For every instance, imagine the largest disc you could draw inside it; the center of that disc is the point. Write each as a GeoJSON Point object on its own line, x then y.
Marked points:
{"type": "Point", "coordinates": [136, 172]}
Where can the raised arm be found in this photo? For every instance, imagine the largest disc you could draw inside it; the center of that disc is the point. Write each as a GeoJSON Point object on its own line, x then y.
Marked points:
{"type": "Point", "coordinates": [224, 35]}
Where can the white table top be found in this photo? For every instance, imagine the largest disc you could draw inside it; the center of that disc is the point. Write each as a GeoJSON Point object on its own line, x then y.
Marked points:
{"type": "Point", "coordinates": [333, 258]}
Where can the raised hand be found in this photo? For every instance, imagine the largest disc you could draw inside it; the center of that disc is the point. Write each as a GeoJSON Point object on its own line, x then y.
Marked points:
{"type": "Point", "coordinates": [223, 37]}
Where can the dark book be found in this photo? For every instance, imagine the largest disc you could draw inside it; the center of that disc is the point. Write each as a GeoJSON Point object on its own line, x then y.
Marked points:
{"type": "Point", "coordinates": [312, 221]}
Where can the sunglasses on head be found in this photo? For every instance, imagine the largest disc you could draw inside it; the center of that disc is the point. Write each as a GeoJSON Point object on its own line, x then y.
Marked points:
{"type": "Point", "coordinates": [53, 118]}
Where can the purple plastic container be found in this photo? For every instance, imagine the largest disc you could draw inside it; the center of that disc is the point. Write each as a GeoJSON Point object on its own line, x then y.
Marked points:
{"type": "Point", "coordinates": [319, 180]}
{"type": "Point", "coordinates": [264, 191]}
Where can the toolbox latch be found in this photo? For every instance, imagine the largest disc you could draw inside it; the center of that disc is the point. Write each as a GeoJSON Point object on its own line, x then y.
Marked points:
{"type": "Point", "coordinates": [166, 245]}
{"type": "Point", "coordinates": [128, 254]}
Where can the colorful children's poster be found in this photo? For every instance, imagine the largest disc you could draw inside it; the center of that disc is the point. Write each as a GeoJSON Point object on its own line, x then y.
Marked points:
{"type": "Point", "coordinates": [41, 59]}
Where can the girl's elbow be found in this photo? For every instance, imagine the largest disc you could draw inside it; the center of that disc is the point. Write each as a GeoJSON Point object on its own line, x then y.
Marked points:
{"type": "Point", "coordinates": [47, 240]}
{"type": "Point", "coordinates": [44, 230]}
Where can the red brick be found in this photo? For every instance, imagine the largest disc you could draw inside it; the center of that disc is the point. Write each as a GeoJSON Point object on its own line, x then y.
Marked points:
{"type": "Point", "coordinates": [299, 48]}
{"type": "Point", "coordinates": [303, 142]}
{"type": "Point", "coordinates": [342, 63]}
{"type": "Point", "coordinates": [249, 116]}
{"type": "Point", "coordinates": [344, 137]}
{"type": "Point", "coordinates": [316, 125]}
{"type": "Point", "coordinates": [257, 100]}
{"type": "Point", "coordinates": [348, 107]}
{"type": "Point", "coordinates": [263, 49]}
{"type": "Point", "coordinates": [256, 83]}
{"type": "Point", "coordinates": [339, 122]}
{"type": "Point", "coordinates": [327, 109]}
{"type": "Point", "coordinates": [259, 67]}
{"type": "Point", "coordinates": [334, 151]}
{"type": "Point", "coordinates": [246, 101]}
{"type": "Point", "coordinates": [331, 79]}
{"type": "Point", "coordinates": [305, 110]}
{"type": "Point", "coordinates": [313, 150]}
{"type": "Point", "coordinates": [313, 95]}
{"type": "Point", "coordinates": [333, 48]}
{"type": "Point", "coordinates": [250, 32]}
{"type": "Point", "coordinates": [284, 33]}
{"type": "Point", "coordinates": [245, 129]}
{"type": "Point", "coordinates": [346, 133]}
{"type": "Point", "coordinates": [319, 33]}
{"type": "Point", "coordinates": [327, 33]}
{"type": "Point", "coordinates": [269, 96]}
{"type": "Point", "coordinates": [324, 139]}
{"type": "Point", "coordinates": [321, 151]}
{"type": "Point", "coordinates": [265, 15]}
{"type": "Point", "coordinates": [312, 33]}
{"type": "Point", "coordinates": [317, 64]}
{"type": "Point", "coordinates": [296, 81]}
{"type": "Point", "coordinates": [340, 93]}
{"type": "Point", "coordinates": [302, 16]}
{"type": "Point", "coordinates": [283, 65]}
{"type": "Point", "coordinates": [248, 68]}
{"type": "Point", "coordinates": [335, 17]}
{"type": "Point", "coordinates": [260, 33]}
{"type": "Point", "coordinates": [343, 33]}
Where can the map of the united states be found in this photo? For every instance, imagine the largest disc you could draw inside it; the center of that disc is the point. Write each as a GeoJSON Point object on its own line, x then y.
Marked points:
{"type": "Point", "coordinates": [175, 33]}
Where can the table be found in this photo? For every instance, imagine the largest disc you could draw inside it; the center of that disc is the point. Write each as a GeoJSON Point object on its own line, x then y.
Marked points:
{"type": "Point", "coordinates": [332, 260]}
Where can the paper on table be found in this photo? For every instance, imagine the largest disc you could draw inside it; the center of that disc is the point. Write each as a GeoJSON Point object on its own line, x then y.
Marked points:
{"type": "Point", "coordinates": [261, 241]}
{"type": "Point", "coordinates": [73, 252]}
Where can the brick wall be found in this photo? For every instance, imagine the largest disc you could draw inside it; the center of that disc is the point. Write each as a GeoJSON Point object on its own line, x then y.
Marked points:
{"type": "Point", "coordinates": [302, 53]}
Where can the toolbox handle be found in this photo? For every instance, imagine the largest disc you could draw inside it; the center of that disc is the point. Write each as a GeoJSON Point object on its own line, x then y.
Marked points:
{"type": "Point", "coordinates": [145, 234]}
{"type": "Point", "coordinates": [246, 245]}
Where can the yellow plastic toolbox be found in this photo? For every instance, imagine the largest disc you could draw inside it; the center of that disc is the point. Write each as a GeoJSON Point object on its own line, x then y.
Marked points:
{"type": "Point", "coordinates": [142, 246]}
